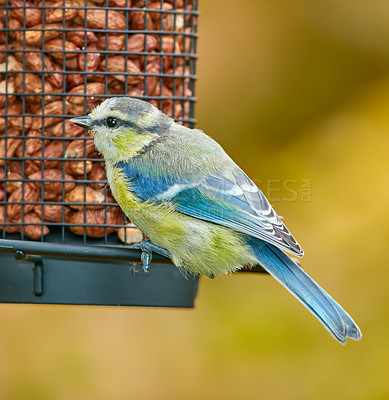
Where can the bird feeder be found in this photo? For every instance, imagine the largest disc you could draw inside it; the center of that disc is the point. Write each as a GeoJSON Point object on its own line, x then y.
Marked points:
{"type": "Point", "coordinates": [63, 238]}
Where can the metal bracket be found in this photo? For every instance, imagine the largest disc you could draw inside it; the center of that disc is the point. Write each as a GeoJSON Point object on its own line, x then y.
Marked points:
{"type": "Point", "coordinates": [37, 269]}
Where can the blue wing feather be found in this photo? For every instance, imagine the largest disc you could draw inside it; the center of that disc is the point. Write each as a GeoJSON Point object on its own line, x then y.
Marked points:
{"type": "Point", "coordinates": [238, 204]}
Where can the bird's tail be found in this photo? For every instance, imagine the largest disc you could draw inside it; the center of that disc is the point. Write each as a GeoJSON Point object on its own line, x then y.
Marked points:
{"type": "Point", "coordinates": [319, 302]}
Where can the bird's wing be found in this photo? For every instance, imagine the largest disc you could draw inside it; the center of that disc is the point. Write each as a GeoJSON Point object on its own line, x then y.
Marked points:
{"type": "Point", "coordinates": [237, 204]}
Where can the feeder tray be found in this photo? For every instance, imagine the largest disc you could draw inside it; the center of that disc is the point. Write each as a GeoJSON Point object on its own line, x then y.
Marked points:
{"type": "Point", "coordinates": [33, 272]}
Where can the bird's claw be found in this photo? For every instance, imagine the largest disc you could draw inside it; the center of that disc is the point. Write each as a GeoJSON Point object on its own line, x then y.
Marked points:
{"type": "Point", "coordinates": [147, 248]}
{"type": "Point", "coordinates": [146, 257]}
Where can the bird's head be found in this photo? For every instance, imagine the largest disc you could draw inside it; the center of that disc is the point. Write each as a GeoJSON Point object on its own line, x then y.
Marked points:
{"type": "Point", "coordinates": [123, 126]}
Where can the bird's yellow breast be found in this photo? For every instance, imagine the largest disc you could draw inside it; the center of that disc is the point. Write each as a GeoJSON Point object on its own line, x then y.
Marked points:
{"type": "Point", "coordinates": [155, 220]}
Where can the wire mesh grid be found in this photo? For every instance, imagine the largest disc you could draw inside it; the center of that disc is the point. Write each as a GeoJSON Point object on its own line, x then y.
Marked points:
{"type": "Point", "coordinates": [62, 58]}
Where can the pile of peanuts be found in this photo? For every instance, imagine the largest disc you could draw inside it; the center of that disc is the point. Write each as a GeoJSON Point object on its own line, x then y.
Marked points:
{"type": "Point", "coordinates": [60, 58]}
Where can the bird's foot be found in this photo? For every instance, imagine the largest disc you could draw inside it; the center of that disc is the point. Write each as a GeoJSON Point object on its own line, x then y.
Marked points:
{"type": "Point", "coordinates": [147, 248]}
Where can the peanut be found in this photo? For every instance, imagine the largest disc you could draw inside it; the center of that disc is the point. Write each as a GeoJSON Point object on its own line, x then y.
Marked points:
{"type": "Point", "coordinates": [31, 83]}
{"type": "Point", "coordinates": [65, 128]}
{"type": "Point", "coordinates": [141, 42]}
{"type": "Point", "coordinates": [54, 108]}
{"type": "Point", "coordinates": [34, 231]}
{"type": "Point", "coordinates": [90, 61]}
{"type": "Point", "coordinates": [24, 11]}
{"type": "Point", "coordinates": [26, 194]}
{"type": "Point", "coordinates": [64, 49]}
{"type": "Point", "coordinates": [50, 196]}
{"type": "Point", "coordinates": [53, 181]}
{"type": "Point", "coordinates": [12, 65]}
{"type": "Point", "coordinates": [97, 174]}
{"type": "Point", "coordinates": [9, 145]}
{"type": "Point", "coordinates": [97, 19]}
{"type": "Point", "coordinates": [53, 212]}
{"type": "Point", "coordinates": [118, 64]}
{"type": "Point", "coordinates": [7, 87]}
{"type": "Point", "coordinates": [53, 150]}
{"type": "Point", "coordinates": [139, 22]}
{"type": "Point", "coordinates": [105, 220]}
{"type": "Point", "coordinates": [34, 35]}
{"type": "Point", "coordinates": [56, 14]}
{"type": "Point", "coordinates": [78, 168]}
{"type": "Point", "coordinates": [14, 182]}
{"type": "Point", "coordinates": [81, 37]}
{"type": "Point", "coordinates": [111, 43]}
{"type": "Point", "coordinates": [8, 228]}
{"type": "Point", "coordinates": [80, 148]}
{"type": "Point", "coordinates": [86, 194]}
{"type": "Point", "coordinates": [130, 234]}
{"type": "Point", "coordinates": [76, 103]}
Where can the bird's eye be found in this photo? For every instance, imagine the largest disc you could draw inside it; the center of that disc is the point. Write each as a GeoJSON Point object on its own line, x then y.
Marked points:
{"type": "Point", "coordinates": [111, 122]}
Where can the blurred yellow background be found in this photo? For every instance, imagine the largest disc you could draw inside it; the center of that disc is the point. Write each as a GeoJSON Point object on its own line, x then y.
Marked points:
{"type": "Point", "coordinates": [297, 92]}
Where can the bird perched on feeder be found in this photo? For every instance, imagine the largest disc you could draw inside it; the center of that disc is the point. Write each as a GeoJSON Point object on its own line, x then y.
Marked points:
{"type": "Point", "coordinates": [197, 206]}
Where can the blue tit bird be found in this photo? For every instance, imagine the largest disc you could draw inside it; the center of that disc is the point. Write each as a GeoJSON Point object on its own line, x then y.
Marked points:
{"type": "Point", "coordinates": [197, 206]}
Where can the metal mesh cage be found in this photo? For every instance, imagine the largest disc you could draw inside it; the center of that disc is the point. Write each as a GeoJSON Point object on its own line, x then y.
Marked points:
{"type": "Point", "coordinates": [62, 58]}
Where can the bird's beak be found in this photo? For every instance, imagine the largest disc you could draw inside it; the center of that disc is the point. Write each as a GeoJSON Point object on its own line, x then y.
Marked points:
{"type": "Point", "coordinates": [83, 121]}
